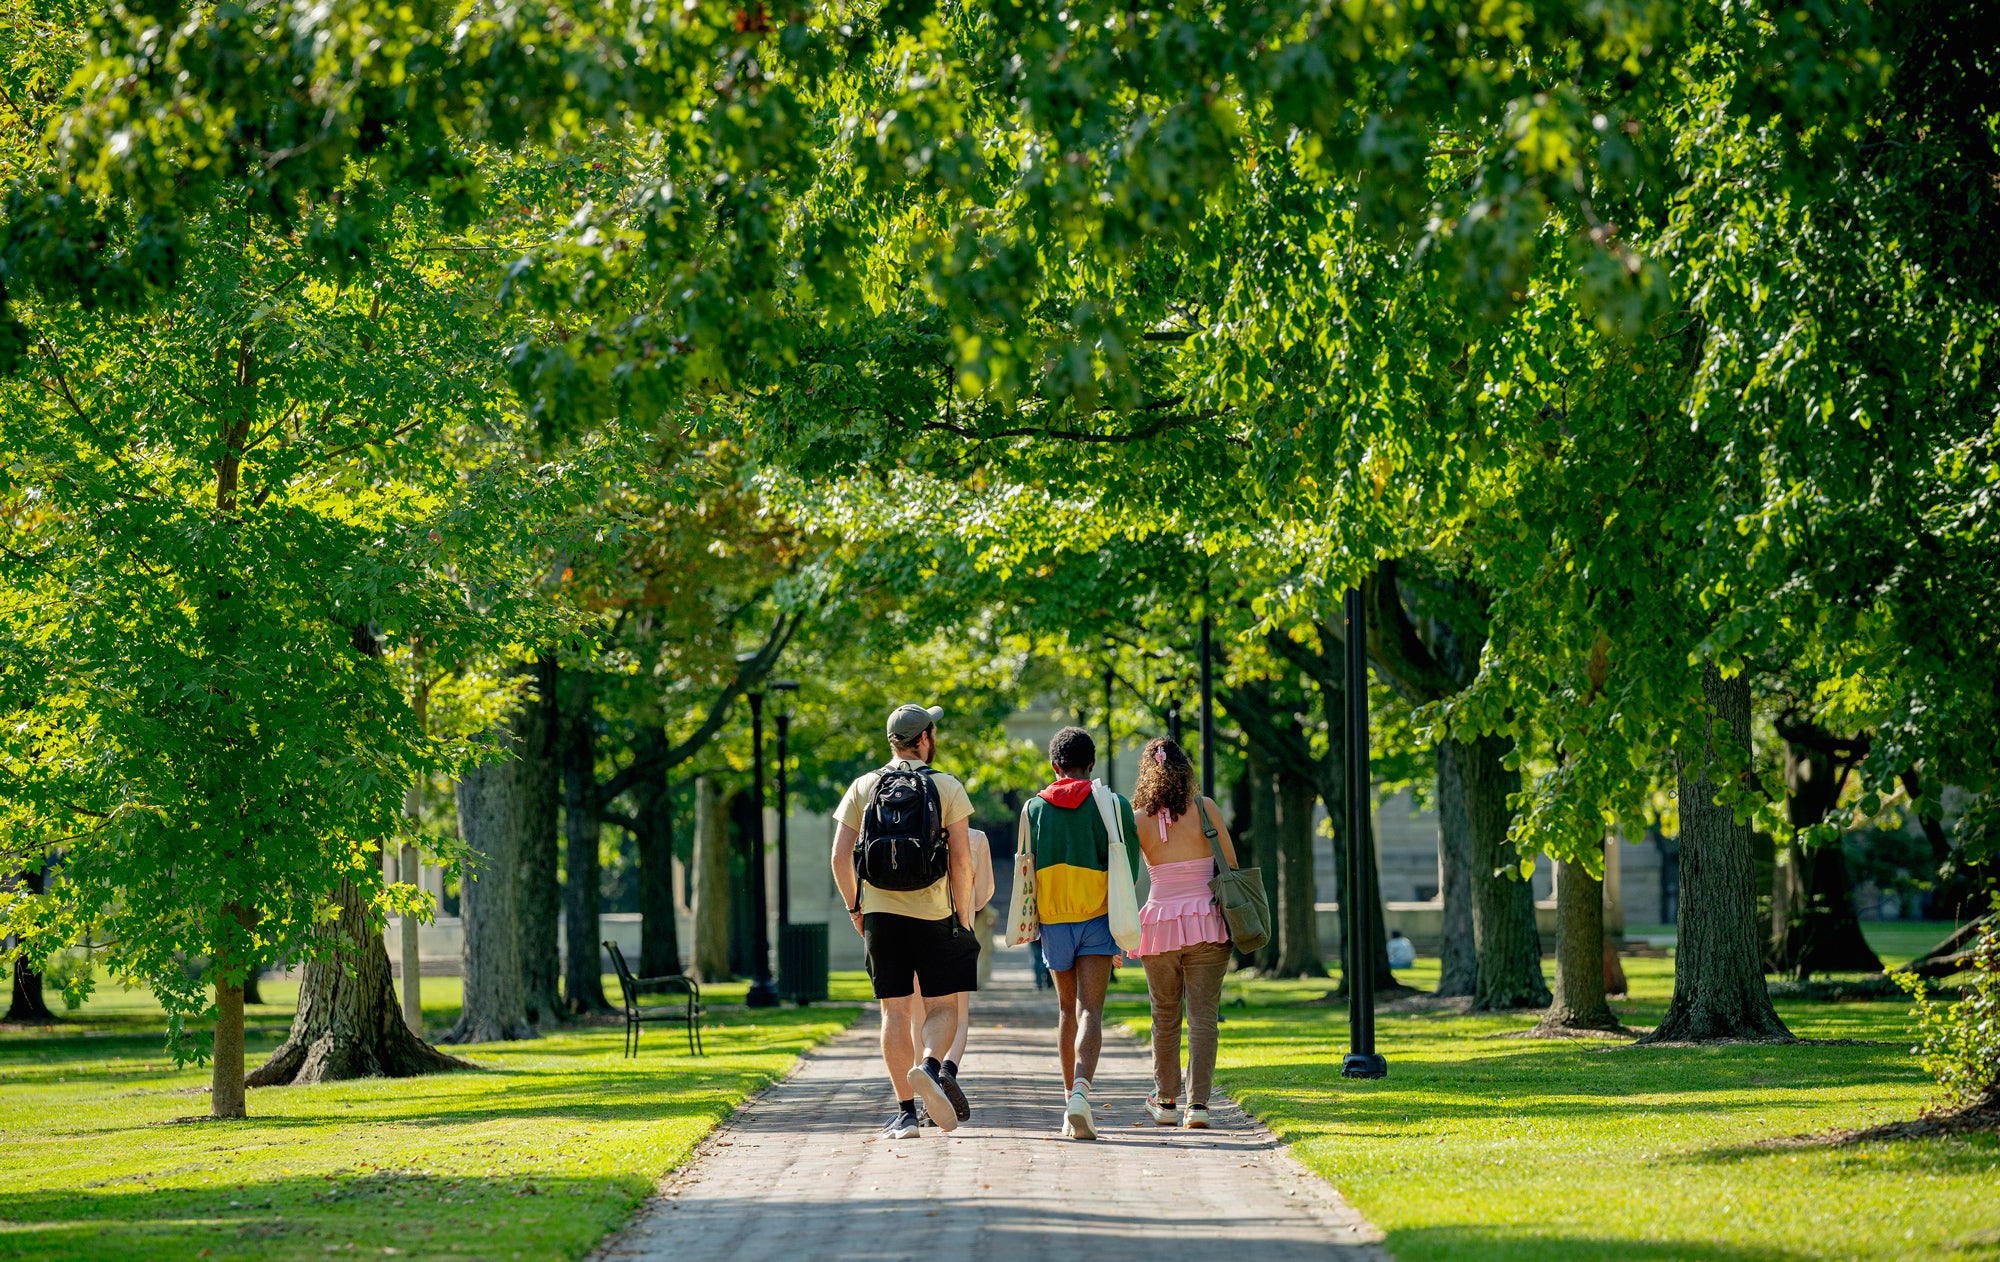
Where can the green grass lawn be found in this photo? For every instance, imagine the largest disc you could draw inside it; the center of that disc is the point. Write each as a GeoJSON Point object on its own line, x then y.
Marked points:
{"type": "Point", "coordinates": [551, 1145]}
{"type": "Point", "coordinates": [1483, 1146]}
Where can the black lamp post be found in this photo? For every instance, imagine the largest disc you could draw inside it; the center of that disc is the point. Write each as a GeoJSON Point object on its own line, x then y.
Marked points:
{"type": "Point", "coordinates": [1357, 904]}
{"type": "Point", "coordinates": [1173, 706]}
{"type": "Point", "coordinates": [784, 688]}
{"type": "Point", "coordinates": [763, 991]}
{"type": "Point", "coordinates": [1110, 735]}
{"type": "Point", "coordinates": [1207, 708]}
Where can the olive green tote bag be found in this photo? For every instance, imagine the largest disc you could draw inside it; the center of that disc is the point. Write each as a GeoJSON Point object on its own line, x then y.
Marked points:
{"type": "Point", "coordinates": [1239, 892]}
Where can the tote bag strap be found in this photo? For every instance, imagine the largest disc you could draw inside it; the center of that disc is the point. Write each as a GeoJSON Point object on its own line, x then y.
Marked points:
{"type": "Point", "coordinates": [1214, 842]}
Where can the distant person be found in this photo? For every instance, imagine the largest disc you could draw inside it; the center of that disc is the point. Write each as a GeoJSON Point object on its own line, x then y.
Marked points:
{"type": "Point", "coordinates": [1402, 951]}
{"type": "Point", "coordinates": [1183, 939]}
{"type": "Point", "coordinates": [984, 919]}
{"type": "Point", "coordinates": [903, 862]}
{"type": "Point", "coordinates": [1072, 853]}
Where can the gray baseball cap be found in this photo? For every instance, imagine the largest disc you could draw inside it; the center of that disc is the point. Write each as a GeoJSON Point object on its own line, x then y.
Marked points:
{"type": "Point", "coordinates": [909, 721]}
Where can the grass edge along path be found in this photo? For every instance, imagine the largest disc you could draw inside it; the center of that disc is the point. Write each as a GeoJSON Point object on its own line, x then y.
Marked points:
{"type": "Point", "coordinates": [551, 1146]}
{"type": "Point", "coordinates": [1482, 1144]}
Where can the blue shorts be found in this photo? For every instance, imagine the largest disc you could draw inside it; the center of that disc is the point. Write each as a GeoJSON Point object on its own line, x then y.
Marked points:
{"type": "Point", "coordinates": [1061, 944]}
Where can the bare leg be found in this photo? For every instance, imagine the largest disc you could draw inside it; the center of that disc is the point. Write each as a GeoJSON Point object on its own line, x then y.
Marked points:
{"type": "Point", "coordinates": [957, 1056]}
{"type": "Point", "coordinates": [1066, 1025]}
{"type": "Point", "coordinates": [1092, 979]}
{"type": "Point", "coordinates": [940, 1025]}
{"type": "Point", "coordinates": [917, 1021]}
{"type": "Point", "coordinates": [898, 1051]}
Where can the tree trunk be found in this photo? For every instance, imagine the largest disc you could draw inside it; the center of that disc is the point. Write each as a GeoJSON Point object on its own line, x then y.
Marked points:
{"type": "Point", "coordinates": [226, 1083]}
{"type": "Point", "coordinates": [1472, 796]}
{"type": "Point", "coordinates": [539, 875]}
{"type": "Point", "coordinates": [347, 1024]}
{"type": "Point", "coordinates": [1579, 1002]}
{"type": "Point", "coordinates": [1297, 915]}
{"type": "Point", "coordinates": [583, 977]}
{"type": "Point", "coordinates": [1264, 836]}
{"type": "Point", "coordinates": [27, 1003]}
{"type": "Point", "coordinates": [711, 882]}
{"type": "Point", "coordinates": [1813, 925]}
{"type": "Point", "coordinates": [495, 812]}
{"type": "Point", "coordinates": [659, 934]}
{"type": "Point", "coordinates": [1458, 956]}
{"type": "Point", "coordinates": [1719, 989]}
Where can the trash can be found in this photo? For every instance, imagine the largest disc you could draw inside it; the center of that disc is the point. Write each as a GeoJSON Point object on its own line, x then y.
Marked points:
{"type": "Point", "coordinates": [802, 963]}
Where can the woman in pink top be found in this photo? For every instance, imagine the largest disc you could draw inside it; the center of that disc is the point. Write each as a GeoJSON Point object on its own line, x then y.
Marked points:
{"type": "Point", "coordinates": [1183, 940]}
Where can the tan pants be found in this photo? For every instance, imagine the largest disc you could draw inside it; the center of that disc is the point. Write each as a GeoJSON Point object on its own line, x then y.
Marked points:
{"type": "Point", "coordinates": [1192, 975]}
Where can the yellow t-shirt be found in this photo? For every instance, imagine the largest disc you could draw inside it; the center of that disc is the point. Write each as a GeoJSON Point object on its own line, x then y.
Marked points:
{"type": "Point", "coordinates": [933, 902]}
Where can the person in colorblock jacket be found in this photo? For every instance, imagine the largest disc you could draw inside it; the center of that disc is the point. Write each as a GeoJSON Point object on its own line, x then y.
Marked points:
{"type": "Point", "coordinates": [1065, 832]}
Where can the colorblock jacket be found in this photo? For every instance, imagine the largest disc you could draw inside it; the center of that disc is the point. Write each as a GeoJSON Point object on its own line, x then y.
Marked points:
{"type": "Point", "coordinates": [1065, 832]}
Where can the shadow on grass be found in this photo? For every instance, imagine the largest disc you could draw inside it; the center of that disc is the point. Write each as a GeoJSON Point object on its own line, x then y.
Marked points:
{"type": "Point", "coordinates": [1539, 1244]}
{"type": "Point", "coordinates": [414, 1214]}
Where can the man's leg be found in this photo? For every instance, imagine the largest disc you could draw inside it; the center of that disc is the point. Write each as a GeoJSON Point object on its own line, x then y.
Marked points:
{"type": "Point", "coordinates": [1091, 978]}
{"type": "Point", "coordinates": [940, 1026]}
{"type": "Point", "coordinates": [957, 1055]}
{"type": "Point", "coordinates": [898, 1053]}
{"type": "Point", "coordinates": [1066, 1025]}
{"type": "Point", "coordinates": [918, 1011]}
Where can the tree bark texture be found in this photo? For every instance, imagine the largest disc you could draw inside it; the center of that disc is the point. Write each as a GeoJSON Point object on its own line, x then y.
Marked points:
{"type": "Point", "coordinates": [1814, 928]}
{"type": "Point", "coordinates": [1579, 1001]}
{"type": "Point", "coordinates": [1472, 795]}
{"type": "Point", "coordinates": [711, 882]}
{"type": "Point", "coordinates": [659, 933]}
{"type": "Point", "coordinates": [1458, 955]}
{"type": "Point", "coordinates": [226, 1084]}
{"type": "Point", "coordinates": [583, 976]}
{"type": "Point", "coordinates": [539, 874]}
{"type": "Point", "coordinates": [348, 1024]}
{"type": "Point", "coordinates": [1264, 836]}
{"type": "Point", "coordinates": [1298, 918]}
{"type": "Point", "coordinates": [496, 810]}
{"type": "Point", "coordinates": [1719, 991]}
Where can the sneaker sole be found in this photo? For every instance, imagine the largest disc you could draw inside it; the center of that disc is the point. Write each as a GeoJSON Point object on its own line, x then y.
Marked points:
{"type": "Point", "coordinates": [956, 1094]}
{"type": "Point", "coordinates": [934, 1100]}
{"type": "Point", "coordinates": [1079, 1124]}
{"type": "Point", "coordinates": [1194, 1126]}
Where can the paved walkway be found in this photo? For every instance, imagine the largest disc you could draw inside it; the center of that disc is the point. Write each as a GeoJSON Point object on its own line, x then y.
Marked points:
{"type": "Point", "coordinates": [798, 1175]}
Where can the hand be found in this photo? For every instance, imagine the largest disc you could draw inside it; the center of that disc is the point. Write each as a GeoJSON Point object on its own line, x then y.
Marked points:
{"type": "Point", "coordinates": [855, 917]}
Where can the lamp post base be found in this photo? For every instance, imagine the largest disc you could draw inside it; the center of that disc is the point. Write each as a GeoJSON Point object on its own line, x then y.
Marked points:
{"type": "Point", "coordinates": [1364, 1065]}
{"type": "Point", "coordinates": [763, 994]}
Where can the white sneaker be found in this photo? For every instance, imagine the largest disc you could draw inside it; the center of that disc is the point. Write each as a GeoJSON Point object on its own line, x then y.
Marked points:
{"type": "Point", "coordinates": [1077, 1122]}
{"type": "Point", "coordinates": [1163, 1114]}
{"type": "Point", "coordinates": [1195, 1119]}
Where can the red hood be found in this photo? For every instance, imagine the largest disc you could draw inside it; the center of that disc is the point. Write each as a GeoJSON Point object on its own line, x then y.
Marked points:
{"type": "Point", "coordinates": [1068, 793]}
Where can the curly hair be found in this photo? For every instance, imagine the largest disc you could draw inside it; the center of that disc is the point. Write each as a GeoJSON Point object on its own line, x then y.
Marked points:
{"type": "Point", "coordinates": [1072, 751]}
{"type": "Point", "coordinates": [1166, 780]}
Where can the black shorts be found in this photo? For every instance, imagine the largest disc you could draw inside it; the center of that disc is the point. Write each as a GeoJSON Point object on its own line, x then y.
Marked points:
{"type": "Point", "coordinates": [902, 951]}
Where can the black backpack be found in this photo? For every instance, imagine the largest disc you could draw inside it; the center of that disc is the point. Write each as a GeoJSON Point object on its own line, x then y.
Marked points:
{"type": "Point", "coordinates": [903, 844]}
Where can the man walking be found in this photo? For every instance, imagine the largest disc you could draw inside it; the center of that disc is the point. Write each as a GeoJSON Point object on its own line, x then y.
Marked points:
{"type": "Point", "coordinates": [902, 860]}
{"type": "Point", "coordinates": [1072, 850]}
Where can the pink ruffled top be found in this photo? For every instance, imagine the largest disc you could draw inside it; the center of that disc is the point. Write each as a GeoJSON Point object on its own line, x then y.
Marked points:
{"type": "Point", "coordinates": [1180, 911]}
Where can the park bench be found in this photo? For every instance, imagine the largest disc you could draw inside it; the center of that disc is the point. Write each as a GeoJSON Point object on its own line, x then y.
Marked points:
{"type": "Point", "coordinates": [687, 1013]}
